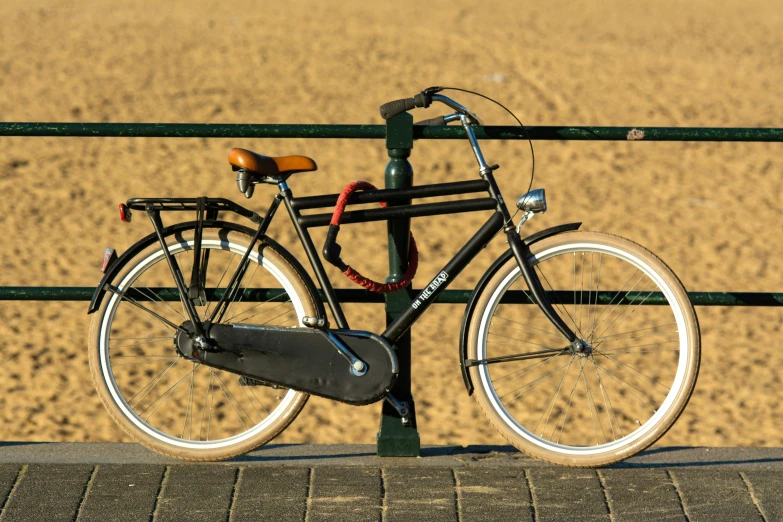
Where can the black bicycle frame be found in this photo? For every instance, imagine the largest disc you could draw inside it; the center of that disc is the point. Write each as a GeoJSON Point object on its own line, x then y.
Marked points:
{"type": "Point", "coordinates": [500, 220]}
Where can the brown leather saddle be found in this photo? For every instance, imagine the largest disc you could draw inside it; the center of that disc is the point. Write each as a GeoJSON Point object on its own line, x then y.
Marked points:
{"type": "Point", "coordinates": [275, 169]}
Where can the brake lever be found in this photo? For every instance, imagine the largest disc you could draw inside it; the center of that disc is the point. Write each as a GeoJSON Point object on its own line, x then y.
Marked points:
{"type": "Point", "coordinates": [440, 120]}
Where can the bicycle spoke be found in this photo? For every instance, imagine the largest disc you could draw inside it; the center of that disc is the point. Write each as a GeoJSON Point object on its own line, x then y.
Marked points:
{"type": "Point", "coordinates": [548, 350]}
{"type": "Point", "coordinates": [181, 301]}
{"type": "Point", "coordinates": [528, 368]}
{"type": "Point", "coordinates": [258, 400]}
{"type": "Point", "coordinates": [591, 403]}
{"type": "Point", "coordinates": [249, 418]}
{"type": "Point", "coordinates": [261, 312]}
{"type": "Point", "coordinates": [241, 293]}
{"type": "Point", "coordinates": [159, 360]}
{"type": "Point", "coordinates": [597, 288]}
{"type": "Point", "coordinates": [279, 315]}
{"type": "Point", "coordinates": [190, 401]}
{"type": "Point", "coordinates": [519, 340]}
{"type": "Point", "coordinates": [220, 383]}
{"type": "Point", "coordinates": [623, 339]}
{"type": "Point", "coordinates": [142, 356]}
{"type": "Point", "coordinates": [610, 357]}
{"type": "Point", "coordinates": [575, 327]}
{"type": "Point", "coordinates": [217, 286]}
{"type": "Point", "coordinates": [632, 310]}
{"type": "Point", "coordinates": [590, 289]}
{"type": "Point", "coordinates": [551, 402]}
{"type": "Point", "coordinates": [641, 330]}
{"type": "Point", "coordinates": [677, 341]}
{"type": "Point", "coordinates": [581, 290]}
{"type": "Point", "coordinates": [149, 294]}
{"type": "Point", "coordinates": [618, 379]}
{"type": "Point", "coordinates": [562, 306]}
{"type": "Point", "coordinates": [247, 396]}
{"type": "Point", "coordinates": [137, 338]}
{"type": "Point", "coordinates": [115, 347]}
{"type": "Point", "coordinates": [204, 408]}
{"type": "Point", "coordinates": [568, 405]}
{"type": "Point", "coordinates": [632, 352]}
{"type": "Point", "coordinates": [606, 399]}
{"type": "Point", "coordinates": [605, 316]}
{"type": "Point", "coordinates": [154, 382]}
{"type": "Point", "coordinates": [532, 329]}
{"type": "Point", "coordinates": [167, 394]}
{"type": "Point", "coordinates": [124, 297]}
{"type": "Point", "coordinates": [558, 335]}
{"type": "Point", "coordinates": [530, 385]}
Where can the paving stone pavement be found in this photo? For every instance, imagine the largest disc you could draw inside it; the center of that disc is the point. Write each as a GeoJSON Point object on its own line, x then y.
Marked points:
{"type": "Point", "coordinates": [317, 483]}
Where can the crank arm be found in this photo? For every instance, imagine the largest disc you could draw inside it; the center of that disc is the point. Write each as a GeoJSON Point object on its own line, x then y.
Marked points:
{"type": "Point", "coordinates": [358, 367]}
{"type": "Point", "coordinates": [519, 357]}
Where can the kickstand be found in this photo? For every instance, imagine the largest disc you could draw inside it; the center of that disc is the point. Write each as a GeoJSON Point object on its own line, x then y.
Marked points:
{"type": "Point", "coordinates": [401, 407]}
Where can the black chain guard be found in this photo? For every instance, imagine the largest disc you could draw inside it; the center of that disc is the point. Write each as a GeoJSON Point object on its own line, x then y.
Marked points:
{"type": "Point", "coordinates": [302, 359]}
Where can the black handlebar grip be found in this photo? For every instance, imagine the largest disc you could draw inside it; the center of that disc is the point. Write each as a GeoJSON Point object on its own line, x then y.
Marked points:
{"type": "Point", "coordinates": [397, 107]}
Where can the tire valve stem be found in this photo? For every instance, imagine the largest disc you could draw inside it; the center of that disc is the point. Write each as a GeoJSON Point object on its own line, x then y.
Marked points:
{"type": "Point", "coordinates": [195, 354]}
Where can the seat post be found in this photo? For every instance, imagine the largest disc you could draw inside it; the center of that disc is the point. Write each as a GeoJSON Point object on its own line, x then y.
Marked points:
{"type": "Point", "coordinates": [396, 439]}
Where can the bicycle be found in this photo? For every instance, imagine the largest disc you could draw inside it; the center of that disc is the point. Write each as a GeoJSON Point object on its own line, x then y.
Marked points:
{"type": "Point", "coordinates": [559, 343]}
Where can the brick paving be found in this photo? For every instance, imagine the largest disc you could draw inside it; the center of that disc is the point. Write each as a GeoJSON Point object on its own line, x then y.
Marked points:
{"type": "Point", "coordinates": [454, 485]}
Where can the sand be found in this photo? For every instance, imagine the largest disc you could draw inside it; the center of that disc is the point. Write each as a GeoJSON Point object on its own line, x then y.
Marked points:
{"type": "Point", "coordinates": [711, 211]}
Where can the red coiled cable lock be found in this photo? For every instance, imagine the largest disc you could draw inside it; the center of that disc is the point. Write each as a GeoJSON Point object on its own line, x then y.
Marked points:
{"type": "Point", "coordinates": [332, 250]}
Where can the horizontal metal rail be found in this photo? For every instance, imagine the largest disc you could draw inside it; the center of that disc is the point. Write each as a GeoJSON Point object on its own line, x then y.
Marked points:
{"type": "Point", "coordinates": [350, 295]}
{"type": "Point", "coordinates": [403, 211]}
{"type": "Point", "coordinates": [375, 196]}
{"type": "Point", "coordinates": [568, 133]}
{"type": "Point", "coordinates": [264, 130]}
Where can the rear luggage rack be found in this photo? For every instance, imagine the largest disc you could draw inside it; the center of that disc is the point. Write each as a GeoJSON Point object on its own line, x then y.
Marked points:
{"type": "Point", "coordinates": [212, 205]}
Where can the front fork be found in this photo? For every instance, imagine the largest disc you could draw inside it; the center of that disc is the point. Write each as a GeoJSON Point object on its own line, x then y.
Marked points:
{"type": "Point", "coordinates": [522, 253]}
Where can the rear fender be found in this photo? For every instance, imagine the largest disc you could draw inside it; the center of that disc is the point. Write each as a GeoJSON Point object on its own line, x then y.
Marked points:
{"type": "Point", "coordinates": [491, 271]}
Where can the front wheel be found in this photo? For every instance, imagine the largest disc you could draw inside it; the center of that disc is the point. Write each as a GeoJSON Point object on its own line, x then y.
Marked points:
{"type": "Point", "coordinates": [614, 393]}
{"type": "Point", "coordinates": [174, 405]}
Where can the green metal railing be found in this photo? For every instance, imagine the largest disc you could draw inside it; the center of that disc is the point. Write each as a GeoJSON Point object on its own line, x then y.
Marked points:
{"type": "Point", "coordinates": [394, 438]}
{"type": "Point", "coordinates": [350, 295]}
{"type": "Point", "coordinates": [251, 130]}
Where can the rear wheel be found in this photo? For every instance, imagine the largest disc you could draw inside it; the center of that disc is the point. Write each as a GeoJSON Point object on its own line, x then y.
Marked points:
{"type": "Point", "coordinates": [615, 393]}
{"type": "Point", "coordinates": [173, 405]}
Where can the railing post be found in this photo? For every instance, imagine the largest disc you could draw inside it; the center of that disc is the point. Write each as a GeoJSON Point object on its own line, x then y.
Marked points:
{"type": "Point", "coordinates": [394, 439]}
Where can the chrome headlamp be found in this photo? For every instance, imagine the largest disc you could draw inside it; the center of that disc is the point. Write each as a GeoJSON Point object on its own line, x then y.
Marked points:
{"type": "Point", "coordinates": [533, 201]}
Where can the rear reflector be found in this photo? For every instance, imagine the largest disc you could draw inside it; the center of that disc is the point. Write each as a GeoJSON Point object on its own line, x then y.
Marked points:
{"type": "Point", "coordinates": [125, 213]}
{"type": "Point", "coordinates": [109, 257]}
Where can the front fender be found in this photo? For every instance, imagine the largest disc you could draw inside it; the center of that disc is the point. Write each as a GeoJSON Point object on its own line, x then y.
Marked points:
{"type": "Point", "coordinates": [474, 296]}
{"type": "Point", "coordinates": [136, 248]}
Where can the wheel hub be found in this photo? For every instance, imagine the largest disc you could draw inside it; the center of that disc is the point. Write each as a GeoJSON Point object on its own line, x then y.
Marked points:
{"type": "Point", "coordinates": [189, 345]}
{"type": "Point", "coordinates": [580, 348]}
